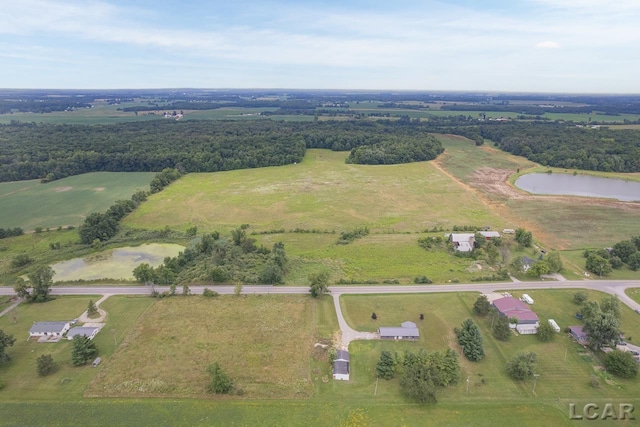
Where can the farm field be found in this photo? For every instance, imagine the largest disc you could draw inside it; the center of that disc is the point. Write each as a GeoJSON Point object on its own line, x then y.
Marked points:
{"type": "Point", "coordinates": [321, 193]}
{"type": "Point", "coordinates": [266, 353]}
{"type": "Point", "coordinates": [30, 204]}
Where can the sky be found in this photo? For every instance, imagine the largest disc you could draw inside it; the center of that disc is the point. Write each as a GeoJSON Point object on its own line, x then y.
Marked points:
{"type": "Point", "coordinates": [566, 46]}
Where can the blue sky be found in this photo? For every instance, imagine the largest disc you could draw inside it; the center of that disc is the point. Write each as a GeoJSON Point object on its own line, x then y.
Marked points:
{"type": "Point", "coordinates": [518, 46]}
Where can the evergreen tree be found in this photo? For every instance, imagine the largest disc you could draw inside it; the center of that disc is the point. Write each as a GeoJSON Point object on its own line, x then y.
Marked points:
{"type": "Point", "coordinates": [386, 366]}
{"type": "Point", "coordinates": [501, 328]}
{"type": "Point", "coordinates": [83, 350]}
{"type": "Point", "coordinates": [470, 340]}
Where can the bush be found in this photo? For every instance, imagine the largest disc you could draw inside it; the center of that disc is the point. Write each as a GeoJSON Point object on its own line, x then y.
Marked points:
{"type": "Point", "coordinates": [545, 332]}
{"type": "Point", "coordinates": [208, 293]}
{"type": "Point", "coordinates": [580, 297]}
{"type": "Point", "coordinates": [621, 363]}
{"type": "Point", "coordinates": [21, 260]}
{"type": "Point", "coordinates": [220, 381]}
{"type": "Point", "coordinates": [482, 306]}
{"type": "Point", "coordinates": [522, 366]}
{"type": "Point", "coordinates": [422, 280]}
{"type": "Point", "coordinates": [45, 365]}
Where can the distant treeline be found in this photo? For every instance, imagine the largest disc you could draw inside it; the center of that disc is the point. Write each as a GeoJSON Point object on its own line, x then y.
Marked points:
{"type": "Point", "coordinates": [46, 105]}
{"type": "Point", "coordinates": [568, 147]}
{"type": "Point", "coordinates": [37, 151]}
{"type": "Point", "coordinates": [614, 109]}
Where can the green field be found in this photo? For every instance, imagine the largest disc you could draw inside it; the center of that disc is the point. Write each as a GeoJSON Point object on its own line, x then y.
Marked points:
{"type": "Point", "coordinates": [21, 381]}
{"type": "Point", "coordinates": [30, 204]}
{"type": "Point", "coordinates": [164, 345]}
{"type": "Point", "coordinates": [266, 353]}
{"type": "Point", "coordinates": [320, 193]}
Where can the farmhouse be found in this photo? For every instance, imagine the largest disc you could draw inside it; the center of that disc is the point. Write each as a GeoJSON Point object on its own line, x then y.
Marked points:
{"type": "Point", "coordinates": [578, 334]}
{"type": "Point", "coordinates": [88, 331]}
{"type": "Point", "coordinates": [512, 307]}
{"type": "Point", "coordinates": [341, 366]}
{"type": "Point", "coordinates": [45, 329]}
{"type": "Point", "coordinates": [526, 263]}
{"type": "Point", "coordinates": [408, 331]}
{"type": "Point", "coordinates": [464, 242]}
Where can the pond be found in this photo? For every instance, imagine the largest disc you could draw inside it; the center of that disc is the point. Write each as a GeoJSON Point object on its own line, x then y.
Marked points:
{"type": "Point", "coordinates": [579, 185]}
{"type": "Point", "coordinates": [114, 264]}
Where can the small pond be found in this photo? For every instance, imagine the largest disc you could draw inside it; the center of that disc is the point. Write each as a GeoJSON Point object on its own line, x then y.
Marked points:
{"type": "Point", "coordinates": [579, 185]}
{"type": "Point", "coordinates": [114, 264]}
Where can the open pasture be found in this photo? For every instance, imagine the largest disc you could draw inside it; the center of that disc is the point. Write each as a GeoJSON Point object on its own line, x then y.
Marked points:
{"type": "Point", "coordinates": [30, 204]}
{"type": "Point", "coordinates": [320, 193]}
{"type": "Point", "coordinates": [262, 342]}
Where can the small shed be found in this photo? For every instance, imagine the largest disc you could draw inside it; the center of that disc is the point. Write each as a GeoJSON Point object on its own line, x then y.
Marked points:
{"type": "Point", "coordinates": [578, 334]}
{"type": "Point", "coordinates": [341, 366]}
{"type": "Point", "coordinates": [97, 361]}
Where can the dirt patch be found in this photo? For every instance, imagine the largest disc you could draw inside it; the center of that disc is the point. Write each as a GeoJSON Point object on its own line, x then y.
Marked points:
{"type": "Point", "coordinates": [62, 189]}
{"type": "Point", "coordinates": [99, 189]}
{"type": "Point", "coordinates": [495, 182]}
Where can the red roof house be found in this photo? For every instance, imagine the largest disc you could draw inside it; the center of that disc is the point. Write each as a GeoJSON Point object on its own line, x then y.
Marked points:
{"type": "Point", "coordinates": [513, 307]}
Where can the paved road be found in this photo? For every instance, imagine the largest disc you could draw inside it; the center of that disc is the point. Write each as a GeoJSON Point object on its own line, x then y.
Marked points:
{"type": "Point", "coordinates": [615, 287]}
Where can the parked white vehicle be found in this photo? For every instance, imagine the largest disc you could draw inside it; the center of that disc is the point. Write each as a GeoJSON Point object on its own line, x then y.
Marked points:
{"type": "Point", "coordinates": [554, 325]}
{"type": "Point", "coordinates": [526, 298]}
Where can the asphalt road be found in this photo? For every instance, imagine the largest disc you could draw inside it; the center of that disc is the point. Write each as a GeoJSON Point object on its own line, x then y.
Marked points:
{"type": "Point", "coordinates": [615, 287]}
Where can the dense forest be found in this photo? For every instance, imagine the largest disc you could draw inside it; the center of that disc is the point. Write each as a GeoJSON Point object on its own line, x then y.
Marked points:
{"type": "Point", "coordinates": [568, 147]}
{"type": "Point", "coordinates": [43, 151]}
{"type": "Point", "coordinates": [397, 150]}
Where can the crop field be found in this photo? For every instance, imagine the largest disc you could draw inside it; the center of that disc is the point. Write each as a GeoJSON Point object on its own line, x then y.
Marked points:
{"type": "Point", "coordinates": [264, 351]}
{"type": "Point", "coordinates": [30, 204]}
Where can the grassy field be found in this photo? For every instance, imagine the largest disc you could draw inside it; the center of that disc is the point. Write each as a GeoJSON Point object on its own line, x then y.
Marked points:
{"type": "Point", "coordinates": [21, 381]}
{"type": "Point", "coordinates": [320, 193]}
{"type": "Point", "coordinates": [30, 204]}
{"type": "Point", "coordinates": [246, 334]}
{"type": "Point", "coordinates": [264, 351]}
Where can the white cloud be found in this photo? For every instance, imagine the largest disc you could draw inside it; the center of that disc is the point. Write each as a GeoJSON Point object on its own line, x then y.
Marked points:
{"type": "Point", "coordinates": [548, 45]}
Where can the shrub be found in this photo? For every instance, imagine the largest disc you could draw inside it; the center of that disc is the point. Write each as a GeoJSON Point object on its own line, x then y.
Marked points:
{"type": "Point", "coordinates": [522, 366]}
{"type": "Point", "coordinates": [621, 363]}
{"type": "Point", "coordinates": [220, 381]}
{"type": "Point", "coordinates": [208, 293]}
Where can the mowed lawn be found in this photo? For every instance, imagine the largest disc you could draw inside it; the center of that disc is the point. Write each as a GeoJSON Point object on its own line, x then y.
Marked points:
{"type": "Point", "coordinates": [30, 204]}
{"type": "Point", "coordinates": [19, 376]}
{"type": "Point", "coordinates": [322, 192]}
{"type": "Point", "coordinates": [565, 368]}
{"type": "Point", "coordinates": [263, 342]}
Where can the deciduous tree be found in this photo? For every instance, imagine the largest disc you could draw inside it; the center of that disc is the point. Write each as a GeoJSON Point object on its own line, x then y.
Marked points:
{"type": "Point", "coordinates": [482, 306]}
{"type": "Point", "coordinates": [45, 365]}
{"type": "Point", "coordinates": [522, 366]}
{"type": "Point", "coordinates": [319, 284]}
{"type": "Point", "coordinates": [6, 341]}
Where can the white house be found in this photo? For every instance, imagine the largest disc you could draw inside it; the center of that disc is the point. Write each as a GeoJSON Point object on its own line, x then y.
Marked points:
{"type": "Point", "coordinates": [462, 242]}
{"type": "Point", "coordinates": [341, 366]}
{"type": "Point", "coordinates": [42, 329]}
{"type": "Point", "coordinates": [407, 331]}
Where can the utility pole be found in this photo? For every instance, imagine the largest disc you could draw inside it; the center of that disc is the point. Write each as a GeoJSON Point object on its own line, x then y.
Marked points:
{"type": "Point", "coordinates": [467, 385]}
{"type": "Point", "coordinates": [535, 378]}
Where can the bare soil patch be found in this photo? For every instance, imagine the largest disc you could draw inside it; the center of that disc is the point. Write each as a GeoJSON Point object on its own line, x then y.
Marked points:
{"type": "Point", "coordinates": [62, 189]}
{"type": "Point", "coordinates": [99, 189]}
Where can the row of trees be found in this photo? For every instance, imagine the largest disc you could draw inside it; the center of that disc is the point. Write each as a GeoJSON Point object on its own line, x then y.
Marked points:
{"type": "Point", "coordinates": [566, 146]}
{"type": "Point", "coordinates": [10, 232]}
